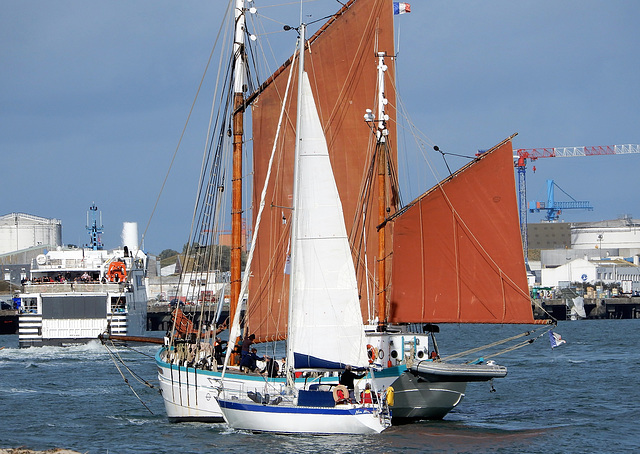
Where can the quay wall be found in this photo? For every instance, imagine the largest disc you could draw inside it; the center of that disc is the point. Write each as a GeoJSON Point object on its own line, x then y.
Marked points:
{"type": "Point", "coordinates": [595, 308]}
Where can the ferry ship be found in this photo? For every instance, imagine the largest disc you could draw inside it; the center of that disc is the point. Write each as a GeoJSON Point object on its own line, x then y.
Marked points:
{"type": "Point", "coordinates": [74, 294]}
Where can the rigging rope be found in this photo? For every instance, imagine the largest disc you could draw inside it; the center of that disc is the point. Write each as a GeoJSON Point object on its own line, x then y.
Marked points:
{"type": "Point", "coordinates": [113, 357]}
{"type": "Point", "coordinates": [235, 328]}
{"type": "Point", "coordinates": [184, 129]}
{"type": "Point", "coordinates": [546, 329]}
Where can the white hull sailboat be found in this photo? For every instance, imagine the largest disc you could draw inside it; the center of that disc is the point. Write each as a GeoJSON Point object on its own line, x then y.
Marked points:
{"type": "Point", "coordinates": [291, 419]}
{"type": "Point", "coordinates": [325, 323]}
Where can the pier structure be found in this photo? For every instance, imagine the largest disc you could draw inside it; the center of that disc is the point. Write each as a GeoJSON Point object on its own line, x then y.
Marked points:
{"type": "Point", "coordinates": [595, 308]}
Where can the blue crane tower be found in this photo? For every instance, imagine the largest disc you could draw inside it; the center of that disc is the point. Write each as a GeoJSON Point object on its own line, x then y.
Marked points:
{"type": "Point", "coordinates": [553, 208]}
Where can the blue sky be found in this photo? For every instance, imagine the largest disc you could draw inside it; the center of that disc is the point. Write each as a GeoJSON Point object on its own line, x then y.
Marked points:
{"type": "Point", "coordinates": [94, 95]}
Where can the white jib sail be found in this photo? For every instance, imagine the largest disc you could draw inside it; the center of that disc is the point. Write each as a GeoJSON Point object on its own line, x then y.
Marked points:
{"type": "Point", "coordinates": [326, 322]}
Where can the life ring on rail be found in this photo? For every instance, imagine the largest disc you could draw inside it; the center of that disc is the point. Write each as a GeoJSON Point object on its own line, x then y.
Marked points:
{"type": "Point", "coordinates": [372, 353]}
{"type": "Point", "coordinates": [340, 394]}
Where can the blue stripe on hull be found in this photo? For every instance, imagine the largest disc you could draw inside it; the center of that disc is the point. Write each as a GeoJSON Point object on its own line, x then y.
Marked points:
{"type": "Point", "coordinates": [232, 405]}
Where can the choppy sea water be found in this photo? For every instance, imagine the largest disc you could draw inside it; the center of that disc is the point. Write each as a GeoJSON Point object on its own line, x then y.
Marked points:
{"type": "Point", "coordinates": [581, 397]}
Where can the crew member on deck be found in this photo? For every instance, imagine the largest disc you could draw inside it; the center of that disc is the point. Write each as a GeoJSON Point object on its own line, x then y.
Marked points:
{"type": "Point", "coordinates": [271, 368]}
{"type": "Point", "coordinates": [219, 348]}
{"type": "Point", "coordinates": [246, 345]}
{"type": "Point", "coordinates": [367, 396]}
{"type": "Point", "coordinates": [249, 361]}
{"type": "Point", "coordinates": [347, 379]}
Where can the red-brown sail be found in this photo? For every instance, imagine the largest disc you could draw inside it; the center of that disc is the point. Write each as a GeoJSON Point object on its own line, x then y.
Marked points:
{"type": "Point", "coordinates": [341, 66]}
{"type": "Point", "coordinates": [457, 253]}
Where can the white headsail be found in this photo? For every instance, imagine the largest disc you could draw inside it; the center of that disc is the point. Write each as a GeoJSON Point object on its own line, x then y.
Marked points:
{"type": "Point", "coordinates": [326, 327]}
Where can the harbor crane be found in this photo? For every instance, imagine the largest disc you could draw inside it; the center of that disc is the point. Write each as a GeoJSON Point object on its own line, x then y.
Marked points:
{"type": "Point", "coordinates": [553, 208]}
{"type": "Point", "coordinates": [523, 155]}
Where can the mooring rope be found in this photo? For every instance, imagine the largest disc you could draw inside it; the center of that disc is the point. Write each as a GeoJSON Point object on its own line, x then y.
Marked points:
{"type": "Point", "coordinates": [115, 357]}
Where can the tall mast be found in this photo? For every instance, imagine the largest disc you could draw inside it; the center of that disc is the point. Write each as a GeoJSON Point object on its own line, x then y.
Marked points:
{"type": "Point", "coordinates": [236, 185]}
{"type": "Point", "coordinates": [381, 150]}
{"type": "Point", "coordinates": [294, 214]}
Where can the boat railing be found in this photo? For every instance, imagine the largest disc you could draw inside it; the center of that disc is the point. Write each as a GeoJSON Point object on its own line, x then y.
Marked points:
{"type": "Point", "coordinates": [57, 264]}
{"type": "Point", "coordinates": [266, 391]}
{"type": "Point", "coordinates": [70, 287]}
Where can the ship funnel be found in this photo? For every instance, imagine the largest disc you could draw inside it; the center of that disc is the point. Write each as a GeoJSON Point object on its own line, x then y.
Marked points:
{"type": "Point", "coordinates": [130, 236]}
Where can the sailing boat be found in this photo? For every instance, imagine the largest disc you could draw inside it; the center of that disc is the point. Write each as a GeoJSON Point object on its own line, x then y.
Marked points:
{"type": "Point", "coordinates": [325, 324]}
{"type": "Point", "coordinates": [456, 254]}
{"type": "Point", "coordinates": [453, 255]}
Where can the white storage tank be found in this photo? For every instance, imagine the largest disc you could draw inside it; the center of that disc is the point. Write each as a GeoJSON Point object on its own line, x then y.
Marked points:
{"type": "Point", "coordinates": [20, 231]}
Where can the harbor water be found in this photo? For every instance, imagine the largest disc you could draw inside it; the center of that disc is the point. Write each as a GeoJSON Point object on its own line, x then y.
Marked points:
{"type": "Point", "coordinates": [581, 397]}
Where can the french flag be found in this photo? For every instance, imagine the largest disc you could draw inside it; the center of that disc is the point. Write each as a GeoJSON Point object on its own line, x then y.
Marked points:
{"type": "Point", "coordinates": [401, 8]}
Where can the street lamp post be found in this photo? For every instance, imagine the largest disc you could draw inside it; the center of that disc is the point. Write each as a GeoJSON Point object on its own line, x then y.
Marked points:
{"type": "Point", "coordinates": [600, 240]}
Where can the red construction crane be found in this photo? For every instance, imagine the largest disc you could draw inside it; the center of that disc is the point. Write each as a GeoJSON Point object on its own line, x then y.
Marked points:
{"type": "Point", "coordinates": [531, 154]}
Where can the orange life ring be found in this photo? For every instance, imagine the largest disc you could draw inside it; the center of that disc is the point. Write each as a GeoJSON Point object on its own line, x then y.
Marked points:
{"type": "Point", "coordinates": [372, 353]}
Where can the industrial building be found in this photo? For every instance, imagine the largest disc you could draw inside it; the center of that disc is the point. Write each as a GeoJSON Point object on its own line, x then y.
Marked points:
{"type": "Point", "coordinates": [20, 231]}
{"type": "Point", "coordinates": [606, 251]}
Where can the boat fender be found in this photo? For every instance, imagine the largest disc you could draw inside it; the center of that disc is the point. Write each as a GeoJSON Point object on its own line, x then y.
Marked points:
{"type": "Point", "coordinates": [372, 352]}
{"type": "Point", "coordinates": [340, 394]}
{"type": "Point", "coordinates": [390, 396]}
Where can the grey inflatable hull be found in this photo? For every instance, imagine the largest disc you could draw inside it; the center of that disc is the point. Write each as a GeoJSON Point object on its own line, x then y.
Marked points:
{"type": "Point", "coordinates": [441, 371]}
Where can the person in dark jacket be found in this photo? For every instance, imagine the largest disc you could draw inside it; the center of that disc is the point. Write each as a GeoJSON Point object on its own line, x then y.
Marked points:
{"type": "Point", "coordinates": [271, 369]}
{"type": "Point", "coordinates": [219, 350]}
{"type": "Point", "coordinates": [246, 345]}
{"type": "Point", "coordinates": [347, 379]}
{"type": "Point", "coordinates": [249, 361]}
